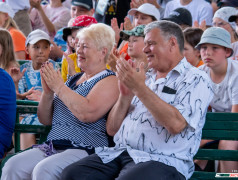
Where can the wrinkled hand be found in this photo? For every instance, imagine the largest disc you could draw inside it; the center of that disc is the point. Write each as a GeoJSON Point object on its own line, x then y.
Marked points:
{"type": "Point", "coordinates": [16, 74]}
{"type": "Point", "coordinates": [23, 96]}
{"type": "Point", "coordinates": [116, 29]}
{"type": "Point", "coordinates": [71, 67]}
{"type": "Point", "coordinates": [45, 87]}
{"type": "Point", "coordinates": [133, 78]}
{"type": "Point", "coordinates": [201, 26]}
{"type": "Point", "coordinates": [35, 3]}
{"type": "Point", "coordinates": [35, 95]}
{"type": "Point", "coordinates": [51, 77]}
{"type": "Point", "coordinates": [127, 24]}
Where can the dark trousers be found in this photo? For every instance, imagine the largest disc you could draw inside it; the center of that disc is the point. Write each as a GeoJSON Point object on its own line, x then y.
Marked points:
{"type": "Point", "coordinates": [121, 168]}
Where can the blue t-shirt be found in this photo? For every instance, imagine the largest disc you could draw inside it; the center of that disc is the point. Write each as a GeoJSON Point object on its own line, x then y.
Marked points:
{"type": "Point", "coordinates": [31, 77]}
{"type": "Point", "coordinates": [7, 110]}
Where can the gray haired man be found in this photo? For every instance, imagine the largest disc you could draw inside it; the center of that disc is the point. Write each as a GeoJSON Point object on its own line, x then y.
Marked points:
{"type": "Point", "coordinates": [158, 118]}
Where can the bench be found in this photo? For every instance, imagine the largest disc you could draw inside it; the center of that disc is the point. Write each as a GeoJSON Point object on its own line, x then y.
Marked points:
{"type": "Point", "coordinates": [25, 61]}
{"type": "Point", "coordinates": [218, 126]}
{"type": "Point", "coordinates": [28, 107]}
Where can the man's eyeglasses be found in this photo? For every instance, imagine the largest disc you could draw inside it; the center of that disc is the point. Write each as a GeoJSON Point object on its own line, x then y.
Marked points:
{"type": "Point", "coordinates": [219, 24]}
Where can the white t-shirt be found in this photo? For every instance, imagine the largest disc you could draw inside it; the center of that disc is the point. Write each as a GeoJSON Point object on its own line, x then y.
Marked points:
{"type": "Point", "coordinates": [199, 9]}
{"type": "Point", "coordinates": [235, 49]}
{"type": "Point", "coordinates": [226, 92]}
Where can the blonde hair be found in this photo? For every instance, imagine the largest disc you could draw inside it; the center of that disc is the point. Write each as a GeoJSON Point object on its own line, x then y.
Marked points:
{"type": "Point", "coordinates": [7, 57]}
{"type": "Point", "coordinates": [10, 23]}
{"type": "Point", "coordinates": [101, 34]}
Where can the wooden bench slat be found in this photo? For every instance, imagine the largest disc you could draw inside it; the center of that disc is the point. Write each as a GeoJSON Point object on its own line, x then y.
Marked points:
{"type": "Point", "coordinates": [221, 125]}
{"type": "Point", "coordinates": [221, 134]}
{"type": "Point", "coordinates": [221, 116]}
{"type": "Point", "coordinates": [26, 128]}
{"type": "Point", "coordinates": [216, 154]}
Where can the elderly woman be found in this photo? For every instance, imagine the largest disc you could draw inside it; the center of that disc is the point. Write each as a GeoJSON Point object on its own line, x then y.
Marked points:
{"type": "Point", "coordinates": [76, 110]}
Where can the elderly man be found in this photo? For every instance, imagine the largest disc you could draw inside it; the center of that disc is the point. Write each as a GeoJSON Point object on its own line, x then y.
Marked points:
{"type": "Point", "coordinates": [158, 117]}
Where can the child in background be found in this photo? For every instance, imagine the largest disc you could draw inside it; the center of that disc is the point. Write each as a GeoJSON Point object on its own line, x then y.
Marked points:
{"type": "Point", "coordinates": [69, 64]}
{"type": "Point", "coordinates": [215, 48]}
{"type": "Point", "coordinates": [192, 37]}
{"type": "Point", "coordinates": [38, 47]}
{"type": "Point", "coordinates": [7, 22]}
{"type": "Point", "coordinates": [7, 56]}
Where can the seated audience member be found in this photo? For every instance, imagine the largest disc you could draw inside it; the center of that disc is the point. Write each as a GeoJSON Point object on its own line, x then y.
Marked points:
{"type": "Point", "coordinates": [81, 7]}
{"type": "Point", "coordinates": [8, 23]}
{"type": "Point", "coordinates": [28, 81]}
{"type": "Point", "coordinates": [135, 38]}
{"type": "Point", "coordinates": [157, 120]}
{"type": "Point", "coordinates": [78, 8]}
{"type": "Point", "coordinates": [7, 57]}
{"type": "Point", "coordinates": [221, 19]}
{"type": "Point", "coordinates": [215, 48]}
{"type": "Point", "coordinates": [7, 111]}
{"type": "Point", "coordinates": [181, 16]}
{"type": "Point", "coordinates": [49, 18]}
{"type": "Point", "coordinates": [199, 9]}
{"type": "Point", "coordinates": [69, 63]}
{"type": "Point", "coordinates": [192, 37]}
{"type": "Point", "coordinates": [143, 15]}
{"type": "Point", "coordinates": [76, 110]}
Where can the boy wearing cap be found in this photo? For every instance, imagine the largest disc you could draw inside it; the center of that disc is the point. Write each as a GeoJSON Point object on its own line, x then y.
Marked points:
{"type": "Point", "coordinates": [215, 49]}
{"type": "Point", "coordinates": [29, 84]}
{"type": "Point", "coordinates": [69, 62]}
{"type": "Point", "coordinates": [81, 7]}
{"type": "Point", "coordinates": [135, 38]}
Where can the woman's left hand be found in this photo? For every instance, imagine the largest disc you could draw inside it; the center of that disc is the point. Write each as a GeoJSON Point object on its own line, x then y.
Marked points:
{"type": "Point", "coordinates": [52, 77]}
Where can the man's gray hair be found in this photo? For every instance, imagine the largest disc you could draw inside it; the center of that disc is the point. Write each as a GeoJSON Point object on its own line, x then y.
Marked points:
{"type": "Point", "coordinates": [168, 29]}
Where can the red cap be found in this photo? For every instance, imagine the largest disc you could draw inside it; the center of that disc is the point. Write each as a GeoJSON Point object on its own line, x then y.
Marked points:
{"type": "Point", "coordinates": [84, 21]}
{"type": "Point", "coordinates": [78, 22]}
